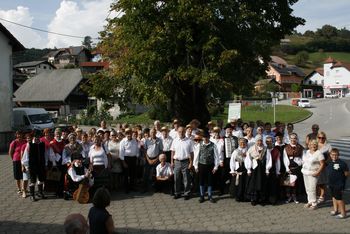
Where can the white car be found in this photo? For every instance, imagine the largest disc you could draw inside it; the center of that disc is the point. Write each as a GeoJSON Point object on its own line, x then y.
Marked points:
{"type": "Point", "coordinates": [331, 95]}
{"type": "Point", "coordinates": [303, 102]}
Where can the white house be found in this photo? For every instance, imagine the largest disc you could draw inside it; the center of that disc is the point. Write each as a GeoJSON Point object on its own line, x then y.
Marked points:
{"type": "Point", "coordinates": [315, 77]}
{"type": "Point", "coordinates": [8, 44]}
{"type": "Point", "coordinates": [336, 77]}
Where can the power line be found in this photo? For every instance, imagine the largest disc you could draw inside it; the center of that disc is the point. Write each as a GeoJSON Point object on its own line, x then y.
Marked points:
{"type": "Point", "coordinates": [42, 30]}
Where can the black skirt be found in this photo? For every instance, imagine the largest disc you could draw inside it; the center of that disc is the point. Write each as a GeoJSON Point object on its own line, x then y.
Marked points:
{"type": "Point", "coordinates": [17, 170]}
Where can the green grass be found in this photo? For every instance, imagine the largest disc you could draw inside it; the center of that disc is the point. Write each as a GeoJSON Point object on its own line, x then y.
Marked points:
{"type": "Point", "coordinates": [284, 113]}
{"type": "Point", "coordinates": [316, 59]}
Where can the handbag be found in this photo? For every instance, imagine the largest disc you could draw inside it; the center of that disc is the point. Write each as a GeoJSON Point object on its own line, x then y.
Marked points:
{"type": "Point", "coordinates": [53, 174]}
{"type": "Point", "coordinates": [289, 180]}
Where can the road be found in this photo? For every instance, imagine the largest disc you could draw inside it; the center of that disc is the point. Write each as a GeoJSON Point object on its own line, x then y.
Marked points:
{"type": "Point", "coordinates": [332, 115]}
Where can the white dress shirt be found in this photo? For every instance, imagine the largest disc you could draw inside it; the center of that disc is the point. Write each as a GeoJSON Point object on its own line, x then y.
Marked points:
{"type": "Point", "coordinates": [220, 147]}
{"type": "Point", "coordinates": [216, 156]}
{"type": "Point", "coordinates": [165, 170]}
{"type": "Point", "coordinates": [173, 134]}
{"type": "Point", "coordinates": [153, 147]}
{"type": "Point", "coordinates": [183, 148]}
{"type": "Point", "coordinates": [167, 143]}
{"type": "Point", "coordinates": [128, 148]}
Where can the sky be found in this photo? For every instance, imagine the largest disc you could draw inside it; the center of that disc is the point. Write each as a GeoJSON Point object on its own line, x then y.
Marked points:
{"type": "Point", "coordinates": [87, 17]}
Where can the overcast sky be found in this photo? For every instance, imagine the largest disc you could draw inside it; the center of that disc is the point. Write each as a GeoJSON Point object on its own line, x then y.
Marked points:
{"type": "Point", "coordinates": [87, 17]}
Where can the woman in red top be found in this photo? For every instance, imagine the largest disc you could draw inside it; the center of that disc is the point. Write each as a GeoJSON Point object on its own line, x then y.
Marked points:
{"type": "Point", "coordinates": [15, 154]}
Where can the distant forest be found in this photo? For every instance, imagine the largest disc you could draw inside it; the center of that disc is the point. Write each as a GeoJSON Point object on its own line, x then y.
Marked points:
{"type": "Point", "coordinates": [30, 55]}
{"type": "Point", "coordinates": [326, 39]}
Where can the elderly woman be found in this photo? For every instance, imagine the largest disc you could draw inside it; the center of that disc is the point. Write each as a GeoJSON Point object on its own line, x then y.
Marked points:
{"type": "Point", "coordinates": [116, 164]}
{"type": "Point", "coordinates": [258, 164]}
{"type": "Point", "coordinates": [313, 164]}
{"type": "Point", "coordinates": [292, 159]}
{"type": "Point", "coordinates": [325, 148]}
{"type": "Point", "coordinates": [249, 137]}
{"type": "Point", "coordinates": [86, 145]}
{"type": "Point", "coordinates": [73, 150]}
{"type": "Point", "coordinates": [238, 171]}
{"type": "Point", "coordinates": [15, 154]}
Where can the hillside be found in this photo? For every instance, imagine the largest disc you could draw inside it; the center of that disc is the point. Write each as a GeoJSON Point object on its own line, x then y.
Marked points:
{"type": "Point", "coordinates": [316, 59]}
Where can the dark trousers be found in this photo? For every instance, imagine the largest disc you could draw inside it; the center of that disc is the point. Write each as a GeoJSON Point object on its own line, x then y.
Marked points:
{"type": "Point", "coordinates": [168, 156]}
{"type": "Point", "coordinates": [205, 173]}
{"type": "Point", "coordinates": [130, 172]}
{"type": "Point", "coordinates": [149, 172]}
{"type": "Point", "coordinates": [39, 175]}
{"type": "Point", "coordinates": [224, 175]}
{"type": "Point", "coordinates": [165, 185]}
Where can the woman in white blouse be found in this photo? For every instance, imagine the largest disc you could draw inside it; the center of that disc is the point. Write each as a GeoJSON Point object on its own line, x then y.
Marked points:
{"type": "Point", "coordinates": [313, 164]}
{"type": "Point", "coordinates": [98, 156]}
{"type": "Point", "coordinates": [116, 164]}
{"type": "Point", "coordinates": [238, 171]}
{"type": "Point", "coordinates": [249, 137]}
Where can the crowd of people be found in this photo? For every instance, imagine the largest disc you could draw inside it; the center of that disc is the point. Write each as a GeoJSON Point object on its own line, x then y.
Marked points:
{"type": "Point", "coordinates": [253, 162]}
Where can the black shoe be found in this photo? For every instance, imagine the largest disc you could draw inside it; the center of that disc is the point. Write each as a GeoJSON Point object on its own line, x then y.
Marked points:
{"type": "Point", "coordinates": [253, 203]}
{"type": "Point", "coordinates": [201, 199]}
{"type": "Point", "coordinates": [212, 200]}
{"type": "Point", "coordinates": [176, 196]}
{"type": "Point", "coordinates": [33, 199]}
{"type": "Point", "coordinates": [187, 197]}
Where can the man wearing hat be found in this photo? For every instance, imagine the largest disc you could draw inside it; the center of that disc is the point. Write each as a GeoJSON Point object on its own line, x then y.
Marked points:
{"type": "Point", "coordinates": [206, 163]}
{"type": "Point", "coordinates": [34, 160]}
{"type": "Point", "coordinates": [167, 141]}
{"type": "Point", "coordinates": [173, 132]}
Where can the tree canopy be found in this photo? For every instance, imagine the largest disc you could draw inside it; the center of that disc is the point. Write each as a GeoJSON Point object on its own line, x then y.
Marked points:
{"type": "Point", "coordinates": [179, 54]}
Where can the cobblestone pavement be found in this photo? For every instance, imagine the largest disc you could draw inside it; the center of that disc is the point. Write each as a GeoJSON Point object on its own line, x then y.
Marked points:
{"type": "Point", "coordinates": [159, 213]}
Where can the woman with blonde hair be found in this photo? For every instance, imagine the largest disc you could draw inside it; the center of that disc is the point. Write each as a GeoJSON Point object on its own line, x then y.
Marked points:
{"type": "Point", "coordinates": [325, 148]}
{"type": "Point", "coordinates": [313, 164]}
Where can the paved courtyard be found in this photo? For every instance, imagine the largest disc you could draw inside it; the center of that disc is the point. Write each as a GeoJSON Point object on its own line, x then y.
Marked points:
{"type": "Point", "coordinates": [159, 213]}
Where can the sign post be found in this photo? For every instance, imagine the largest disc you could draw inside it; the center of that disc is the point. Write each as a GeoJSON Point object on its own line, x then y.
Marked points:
{"type": "Point", "coordinates": [234, 111]}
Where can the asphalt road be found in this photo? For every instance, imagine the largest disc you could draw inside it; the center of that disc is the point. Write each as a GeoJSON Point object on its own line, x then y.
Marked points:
{"type": "Point", "coordinates": [332, 115]}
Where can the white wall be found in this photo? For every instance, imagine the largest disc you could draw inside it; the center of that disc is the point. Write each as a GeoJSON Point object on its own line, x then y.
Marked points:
{"type": "Point", "coordinates": [336, 76]}
{"type": "Point", "coordinates": [316, 79]}
{"type": "Point", "coordinates": [5, 84]}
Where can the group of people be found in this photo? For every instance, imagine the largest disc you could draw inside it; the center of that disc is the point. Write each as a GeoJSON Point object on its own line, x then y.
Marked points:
{"type": "Point", "coordinates": [254, 162]}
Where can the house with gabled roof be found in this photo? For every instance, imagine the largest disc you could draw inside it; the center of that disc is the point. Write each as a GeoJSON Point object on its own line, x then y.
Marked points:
{"type": "Point", "coordinates": [286, 75]}
{"type": "Point", "coordinates": [336, 77]}
{"type": "Point", "coordinates": [57, 90]}
{"type": "Point", "coordinates": [71, 56]}
{"type": "Point", "coordinates": [33, 68]}
{"type": "Point", "coordinates": [8, 45]}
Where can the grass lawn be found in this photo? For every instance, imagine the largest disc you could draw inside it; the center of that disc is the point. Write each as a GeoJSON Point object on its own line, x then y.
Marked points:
{"type": "Point", "coordinates": [284, 114]}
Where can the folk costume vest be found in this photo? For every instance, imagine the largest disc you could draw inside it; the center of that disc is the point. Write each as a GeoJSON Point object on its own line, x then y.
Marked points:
{"type": "Point", "coordinates": [206, 154]}
{"type": "Point", "coordinates": [36, 155]}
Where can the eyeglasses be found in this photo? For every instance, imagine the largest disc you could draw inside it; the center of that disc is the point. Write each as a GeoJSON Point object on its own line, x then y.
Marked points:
{"type": "Point", "coordinates": [321, 138]}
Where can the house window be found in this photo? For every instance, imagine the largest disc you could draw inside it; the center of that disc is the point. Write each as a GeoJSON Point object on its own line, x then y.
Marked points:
{"type": "Point", "coordinates": [310, 82]}
{"type": "Point", "coordinates": [44, 67]}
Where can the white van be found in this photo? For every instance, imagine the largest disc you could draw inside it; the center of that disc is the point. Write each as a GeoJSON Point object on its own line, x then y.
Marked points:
{"type": "Point", "coordinates": [28, 119]}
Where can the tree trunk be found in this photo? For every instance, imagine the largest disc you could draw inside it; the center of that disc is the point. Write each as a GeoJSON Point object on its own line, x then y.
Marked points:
{"type": "Point", "coordinates": [190, 103]}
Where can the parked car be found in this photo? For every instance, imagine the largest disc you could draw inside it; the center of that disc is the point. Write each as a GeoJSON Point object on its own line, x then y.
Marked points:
{"type": "Point", "coordinates": [331, 95]}
{"type": "Point", "coordinates": [28, 119]}
{"type": "Point", "coordinates": [303, 102]}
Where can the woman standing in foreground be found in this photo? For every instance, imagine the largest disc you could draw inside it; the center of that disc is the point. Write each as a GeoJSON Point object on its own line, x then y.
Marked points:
{"type": "Point", "coordinates": [313, 164]}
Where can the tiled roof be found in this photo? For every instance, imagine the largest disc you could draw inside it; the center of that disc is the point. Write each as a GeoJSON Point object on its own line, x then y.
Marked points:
{"type": "Point", "coordinates": [288, 70]}
{"type": "Point", "coordinates": [16, 45]}
{"type": "Point", "coordinates": [49, 86]}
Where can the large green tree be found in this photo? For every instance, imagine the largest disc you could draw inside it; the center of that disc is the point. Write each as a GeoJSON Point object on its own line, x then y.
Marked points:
{"type": "Point", "coordinates": [180, 53]}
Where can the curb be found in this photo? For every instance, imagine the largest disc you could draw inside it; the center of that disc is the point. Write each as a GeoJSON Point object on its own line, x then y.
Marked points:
{"type": "Point", "coordinates": [301, 120]}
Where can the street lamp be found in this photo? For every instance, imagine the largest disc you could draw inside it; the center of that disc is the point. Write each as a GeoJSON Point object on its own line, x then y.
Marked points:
{"type": "Point", "coordinates": [274, 96]}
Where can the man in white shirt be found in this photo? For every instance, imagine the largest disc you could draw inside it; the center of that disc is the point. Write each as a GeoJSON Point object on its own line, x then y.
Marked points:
{"type": "Point", "coordinates": [164, 175]}
{"type": "Point", "coordinates": [167, 141]}
{"type": "Point", "coordinates": [157, 126]}
{"type": "Point", "coordinates": [173, 132]}
{"type": "Point", "coordinates": [128, 152]}
{"type": "Point", "coordinates": [181, 159]}
{"type": "Point", "coordinates": [152, 149]}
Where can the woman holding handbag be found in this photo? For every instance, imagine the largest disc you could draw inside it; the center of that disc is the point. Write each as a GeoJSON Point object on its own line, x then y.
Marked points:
{"type": "Point", "coordinates": [313, 164]}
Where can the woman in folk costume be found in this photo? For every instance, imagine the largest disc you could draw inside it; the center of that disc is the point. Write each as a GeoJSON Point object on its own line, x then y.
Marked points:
{"type": "Point", "coordinates": [206, 163]}
{"type": "Point", "coordinates": [239, 171]}
{"type": "Point", "coordinates": [258, 164]}
{"type": "Point", "coordinates": [292, 159]}
{"type": "Point", "coordinates": [274, 176]}
{"type": "Point", "coordinates": [72, 151]}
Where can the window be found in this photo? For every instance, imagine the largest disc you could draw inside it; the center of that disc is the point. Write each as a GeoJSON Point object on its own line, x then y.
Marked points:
{"type": "Point", "coordinates": [310, 82]}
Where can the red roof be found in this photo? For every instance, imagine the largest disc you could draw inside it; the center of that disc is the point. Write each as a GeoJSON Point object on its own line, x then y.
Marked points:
{"type": "Point", "coordinates": [341, 64]}
{"type": "Point", "coordinates": [319, 70]}
{"type": "Point", "coordinates": [330, 60]}
{"type": "Point", "coordinates": [105, 65]}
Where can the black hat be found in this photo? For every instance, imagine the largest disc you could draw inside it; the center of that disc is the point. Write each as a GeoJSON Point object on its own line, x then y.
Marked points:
{"type": "Point", "coordinates": [37, 133]}
{"type": "Point", "coordinates": [228, 126]}
{"type": "Point", "coordinates": [206, 134]}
